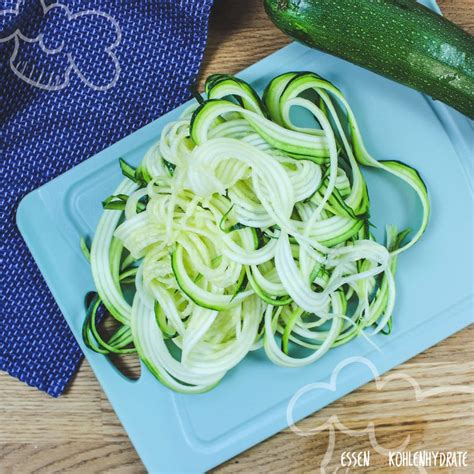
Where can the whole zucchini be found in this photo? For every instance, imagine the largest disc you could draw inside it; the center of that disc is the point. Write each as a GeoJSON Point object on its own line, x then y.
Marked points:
{"type": "Point", "coordinates": [400, 39]}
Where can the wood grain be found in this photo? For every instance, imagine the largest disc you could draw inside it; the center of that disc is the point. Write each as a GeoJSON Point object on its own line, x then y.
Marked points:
{"type": "Point", "coordinates": [80, 433]}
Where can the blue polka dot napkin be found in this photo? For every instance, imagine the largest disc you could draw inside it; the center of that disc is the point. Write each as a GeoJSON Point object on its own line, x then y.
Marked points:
{"type": "Point", "coordinates": [75, 77]}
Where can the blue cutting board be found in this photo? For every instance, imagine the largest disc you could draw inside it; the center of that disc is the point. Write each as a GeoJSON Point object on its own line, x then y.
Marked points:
{"type": "Point", "coordinates": [173, 432]}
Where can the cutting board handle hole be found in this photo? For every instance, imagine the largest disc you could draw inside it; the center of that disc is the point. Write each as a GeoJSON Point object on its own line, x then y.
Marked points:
{"type": "Point", "coordinates": [127, 364]}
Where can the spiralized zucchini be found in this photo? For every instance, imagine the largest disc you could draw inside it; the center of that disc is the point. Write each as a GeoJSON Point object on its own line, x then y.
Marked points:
{"type": "Point", "coordinates": [242, 229]}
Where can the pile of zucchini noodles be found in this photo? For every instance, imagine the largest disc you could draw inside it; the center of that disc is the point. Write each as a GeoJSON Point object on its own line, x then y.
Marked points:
{"type": "Point", "coordinates": [242, 229]}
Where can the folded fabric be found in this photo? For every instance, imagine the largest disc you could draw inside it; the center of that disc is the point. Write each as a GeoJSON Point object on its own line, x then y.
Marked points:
{"type": "Point", "coordinates": [76, 76]}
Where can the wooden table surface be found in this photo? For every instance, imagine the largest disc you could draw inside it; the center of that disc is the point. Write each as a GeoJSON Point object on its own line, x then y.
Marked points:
{"type": "Point", "coordinates": [80, 433]}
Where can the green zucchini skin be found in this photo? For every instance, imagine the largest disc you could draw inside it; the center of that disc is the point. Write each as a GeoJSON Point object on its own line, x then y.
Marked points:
{"type": "Point", "coordinates": [400, 39]}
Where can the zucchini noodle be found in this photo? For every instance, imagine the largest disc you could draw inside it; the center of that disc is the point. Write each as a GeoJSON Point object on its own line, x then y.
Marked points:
{"type": "Point", "coordinates": [241, 229]}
